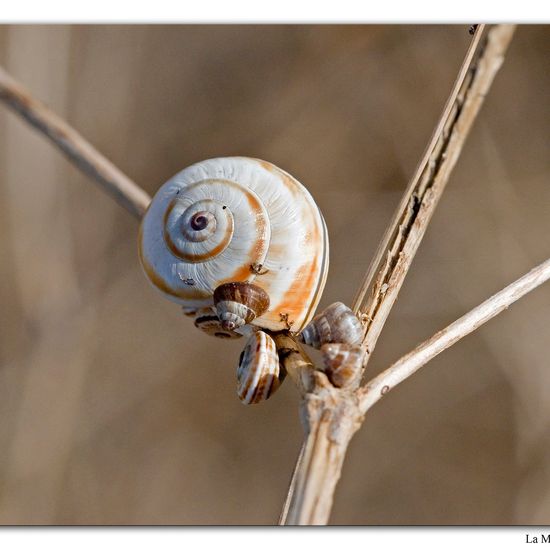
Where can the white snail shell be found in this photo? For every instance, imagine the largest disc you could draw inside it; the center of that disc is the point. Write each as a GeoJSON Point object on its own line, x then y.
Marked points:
{"type": "Point", "coordinates": [259, 373]}
{"type": "Point", "coordinates": [237, 219]}
{"type": "Point", "coordinates": [336, 324]}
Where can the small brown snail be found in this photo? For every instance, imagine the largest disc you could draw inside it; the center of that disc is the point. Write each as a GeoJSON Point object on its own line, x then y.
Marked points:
{"type": "Point", "coordinates": [241, 246]}
{"type": "Point", "coordinates": [343, 364]}
{"type": "Point", "coordinates": [207, 320]}
{"type": "Point", "coordinates": [259, 373]}
{"type": "Point", "coordinates": [336, 324]}
{"type": "Point", "coordinates": [238, 304]}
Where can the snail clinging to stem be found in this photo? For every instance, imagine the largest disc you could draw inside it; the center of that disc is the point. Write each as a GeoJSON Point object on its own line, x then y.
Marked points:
{"type": "Point", "coordinates": [242, 246]}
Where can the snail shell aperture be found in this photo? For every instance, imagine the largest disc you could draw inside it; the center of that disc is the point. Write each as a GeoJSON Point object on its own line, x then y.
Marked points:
{"type": "Point", "coordinates": [237, 220]}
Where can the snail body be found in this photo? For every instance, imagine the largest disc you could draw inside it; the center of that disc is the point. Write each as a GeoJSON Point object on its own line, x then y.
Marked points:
{"type": "Point", "coordinates": [237, 220]}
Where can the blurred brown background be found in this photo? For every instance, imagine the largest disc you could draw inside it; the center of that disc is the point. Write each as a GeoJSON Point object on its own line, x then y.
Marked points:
{"type": "Point", "coordinates": [115, 410]}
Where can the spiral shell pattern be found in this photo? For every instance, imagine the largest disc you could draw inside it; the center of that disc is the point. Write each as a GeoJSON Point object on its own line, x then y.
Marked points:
{"type": "Point", "coordinates": [238, 304]}
{"type": "Point", "coordinates": [199, 231]}
{"type": "Point", "coordinates": [343, 364]}
{"type": "Point", "coordinates": [208, 321]}
{"type": "Point", "coordinates": [237, 219]}
{"type": "Point", "coordinates": [336, 324]}
{"type": "Point", "coordinates": [259, 372]}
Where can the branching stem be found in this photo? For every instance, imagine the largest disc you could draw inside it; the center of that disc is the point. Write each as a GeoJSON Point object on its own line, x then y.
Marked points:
{"type": "Point", "coordinates": [418, 357]}
{"type": "Point", "coordinates": [320, 462]}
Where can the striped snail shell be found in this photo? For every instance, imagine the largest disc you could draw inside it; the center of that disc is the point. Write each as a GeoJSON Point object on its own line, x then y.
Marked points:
{"type": "Point", "coordinates": [238, 304]}
{"type": "Point", "coordinates": [343, 364]}
{"type": "Point", "coordinates": [259, 373]}
{"type": "Point", "coordinates": [336, 324]}
{"type": "Point", "coordinates": [207, 320]}
{"type": "Point", "coordinates": [237, 220]}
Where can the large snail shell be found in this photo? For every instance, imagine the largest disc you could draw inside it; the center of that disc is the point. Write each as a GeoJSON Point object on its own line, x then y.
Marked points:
{"type": "Point", "coordinates": [336, 324]}
{"type": "Point", "coordinates": [237, 219]}
{"type": "Point", "coordinates": [259, 373]}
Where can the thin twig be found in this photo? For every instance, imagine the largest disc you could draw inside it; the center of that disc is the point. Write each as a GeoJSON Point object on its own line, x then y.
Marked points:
{"type": "Point", "coordinates": [418, 357]}
{"type": "Point", "coordinates": [385, 276]}
{"type": "Point", "coordinates": [333, 415]}
{"type": "Point", "coordinates": [79, 151]}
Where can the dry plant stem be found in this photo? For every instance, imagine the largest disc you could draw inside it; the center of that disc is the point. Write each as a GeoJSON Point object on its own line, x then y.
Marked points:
{"type": "Point", "coordinates": [90, 161]}
{"type": "Point", "coordinates": [395, 254]}
{"type": "Point", "coordinates": [330, 415]}
{"type": "Point", "coordinates": [332, 420]}
{"type": "Point", "coordinates": [417, 358]}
